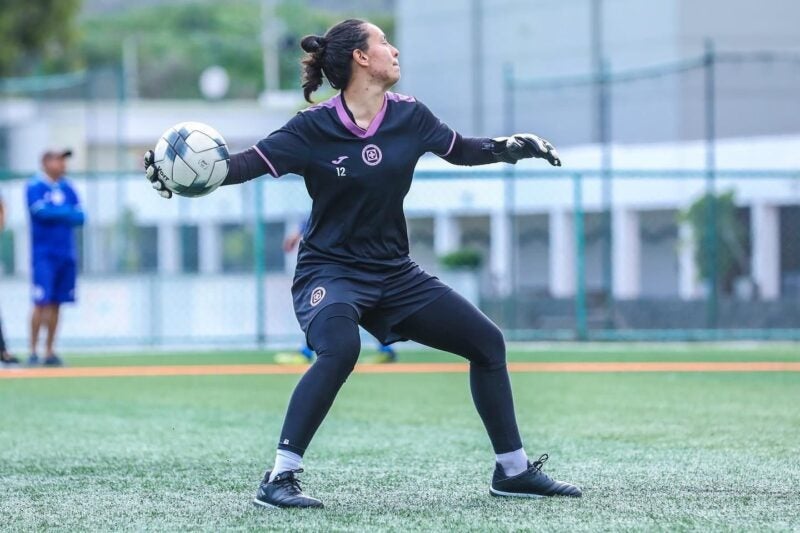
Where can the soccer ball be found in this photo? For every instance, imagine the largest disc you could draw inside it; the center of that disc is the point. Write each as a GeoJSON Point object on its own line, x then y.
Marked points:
{"type": "Point", "coordinates": [193, 159]}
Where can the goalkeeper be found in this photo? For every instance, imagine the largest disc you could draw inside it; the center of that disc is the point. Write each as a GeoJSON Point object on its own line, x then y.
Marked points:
{"type": "Point", "coordinates": [357, 153]}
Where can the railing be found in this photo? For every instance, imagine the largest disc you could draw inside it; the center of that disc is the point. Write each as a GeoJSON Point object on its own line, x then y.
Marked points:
{"type": "Point", "coordinates": [540, 233]}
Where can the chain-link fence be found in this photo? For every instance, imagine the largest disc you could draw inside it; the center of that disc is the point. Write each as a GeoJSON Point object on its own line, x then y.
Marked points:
{"type": "Point", "coordinates": [602, 253]}
{"type": "Point", "coordinates": [683, 109]}
{"type": "Point", "coordinates": [214, 270]}
{"type": "Point", "coordinates": [717, 95]}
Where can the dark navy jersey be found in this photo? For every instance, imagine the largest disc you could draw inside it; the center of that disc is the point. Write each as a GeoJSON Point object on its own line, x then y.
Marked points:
{"type": "Point", "coordinates": [357, 178]}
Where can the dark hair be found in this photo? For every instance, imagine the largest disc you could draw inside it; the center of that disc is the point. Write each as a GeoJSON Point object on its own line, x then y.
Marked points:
{"type": "Point", "coordinates": [331, 55]}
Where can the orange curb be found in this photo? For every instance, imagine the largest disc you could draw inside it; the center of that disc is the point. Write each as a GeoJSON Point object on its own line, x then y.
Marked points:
{"type": "Point", "coordinates": [395, 368]}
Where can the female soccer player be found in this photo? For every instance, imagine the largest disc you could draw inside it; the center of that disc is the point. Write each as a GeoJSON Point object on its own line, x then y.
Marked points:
{"type": "Point", "coordinates": [357, 153]}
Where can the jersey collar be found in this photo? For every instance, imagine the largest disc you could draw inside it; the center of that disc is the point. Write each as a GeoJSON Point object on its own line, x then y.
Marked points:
{"type": "Point", "coordinates": [352, 127]}
{"type": "Point", "coordinates": [50, 182]}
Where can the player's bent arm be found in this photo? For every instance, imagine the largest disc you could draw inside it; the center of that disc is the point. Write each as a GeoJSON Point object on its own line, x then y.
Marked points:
{"type": "Point", "coordinates": [242, 167]}
{"type": "Point", "coordinates": [78, 217]}
{"type": "Point", "coordinates": [57, 213]}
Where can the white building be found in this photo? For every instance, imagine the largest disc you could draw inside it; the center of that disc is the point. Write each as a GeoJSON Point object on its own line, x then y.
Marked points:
{"type": "Point", "coordinates": [161, 267]}
{"type": "Point", "coordinates": [183, 268]}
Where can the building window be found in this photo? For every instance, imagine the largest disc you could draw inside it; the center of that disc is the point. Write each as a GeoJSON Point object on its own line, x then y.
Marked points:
{"type": "Point", "coordinates": [274, 258]}
{"type": "Point", "coordinates": [790, 251]}
{"type": "Point", "coordinates": [237, 248]}
{"type": "Point", "coordinates": [190, 246]}
{"type": "Point", "coordinates": [147, 248]}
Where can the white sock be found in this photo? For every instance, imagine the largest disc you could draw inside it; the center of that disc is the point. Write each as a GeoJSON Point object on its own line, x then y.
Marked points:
{"type": "Point", "coordinates": [285, 460]}
{"type": "Point", "coordinates": [513, 463]}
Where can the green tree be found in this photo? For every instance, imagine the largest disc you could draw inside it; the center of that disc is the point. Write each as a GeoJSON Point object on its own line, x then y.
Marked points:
{"type": "Point", "coordinates": [732, 240]}
{"type": "Point", "coordinates": [37, 35]}
{"type": "Point", "coordinates": [176, 42]}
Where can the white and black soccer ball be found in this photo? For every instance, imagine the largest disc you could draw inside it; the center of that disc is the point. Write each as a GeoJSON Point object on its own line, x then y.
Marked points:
{"type": "Point", "coordinates": [193, 159]}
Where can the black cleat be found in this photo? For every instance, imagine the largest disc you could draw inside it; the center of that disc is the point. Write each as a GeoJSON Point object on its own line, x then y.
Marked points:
{"type": "Point", "coordinates": [8, 360]}
{"type": "Point", "coordinates": [284, 491]}
{"type": "Point", "coordinates": [532, 483]}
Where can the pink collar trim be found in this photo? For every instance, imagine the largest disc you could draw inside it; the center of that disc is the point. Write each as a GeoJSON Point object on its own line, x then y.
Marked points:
{"type": "Point", "coordinates": [354, 128]}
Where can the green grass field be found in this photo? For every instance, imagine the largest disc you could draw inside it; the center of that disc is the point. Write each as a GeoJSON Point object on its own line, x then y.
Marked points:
{"type": "Point", "coordinates": [669, 451]}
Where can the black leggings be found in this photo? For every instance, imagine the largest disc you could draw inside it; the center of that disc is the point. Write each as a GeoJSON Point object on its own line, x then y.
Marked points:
{"type": "Point", "coordinates": [449, 323]}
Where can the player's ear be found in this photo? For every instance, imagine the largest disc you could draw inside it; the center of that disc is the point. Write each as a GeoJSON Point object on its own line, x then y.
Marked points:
{"type": "Point", "coordinates": [360, 57]}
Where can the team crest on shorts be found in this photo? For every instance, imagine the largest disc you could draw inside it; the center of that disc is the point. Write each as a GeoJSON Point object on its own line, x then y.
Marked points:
{"type": "Point", "coordinates": [38, 292]}
{"type": "Point", "coordinates": [371, 155]}
{"type": "Point", "coordinates": [317, 295]}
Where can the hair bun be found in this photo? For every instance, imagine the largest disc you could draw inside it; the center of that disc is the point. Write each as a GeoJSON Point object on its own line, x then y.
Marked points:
{"type": "Point", "coordinates": [313, 43]}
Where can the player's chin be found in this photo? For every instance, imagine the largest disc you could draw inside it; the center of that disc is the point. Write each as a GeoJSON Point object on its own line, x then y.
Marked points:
{"type": "Point", "coordinates": [390, 81]}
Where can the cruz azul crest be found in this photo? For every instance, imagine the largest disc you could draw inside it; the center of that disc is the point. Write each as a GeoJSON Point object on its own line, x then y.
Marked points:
{"type": "Point", "coordinates": [371, 155]}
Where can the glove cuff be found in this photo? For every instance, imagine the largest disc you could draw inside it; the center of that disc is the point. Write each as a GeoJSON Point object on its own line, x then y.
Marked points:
{"type": "Point", "coordinates": [497, 145]}
{"type": "Point", "coordinates": [499, 149]}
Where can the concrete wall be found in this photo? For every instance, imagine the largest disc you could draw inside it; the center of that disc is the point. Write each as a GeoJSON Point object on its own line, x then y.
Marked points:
{"type": "Point", "coordinates": [163, 309]}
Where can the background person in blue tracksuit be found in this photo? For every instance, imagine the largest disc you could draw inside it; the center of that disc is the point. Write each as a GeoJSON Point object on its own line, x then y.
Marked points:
{"type": "Point", "coordinates": [55, 212]}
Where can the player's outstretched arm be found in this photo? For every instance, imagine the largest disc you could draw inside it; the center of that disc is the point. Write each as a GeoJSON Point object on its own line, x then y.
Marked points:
{"type": "Point", "coordinates": [472, 151]}
{"type": "Point", "coordinates": [522, 146]}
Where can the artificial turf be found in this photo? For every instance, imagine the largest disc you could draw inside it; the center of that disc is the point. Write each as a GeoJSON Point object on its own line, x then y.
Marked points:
{"type": "Point", "coordinates": [671, 451]}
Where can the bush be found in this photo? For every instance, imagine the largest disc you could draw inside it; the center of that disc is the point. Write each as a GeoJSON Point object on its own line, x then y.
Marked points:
{"type": "Point", "coordinates": [732, 239]}
{"type": "Point", "coordinates": [466, 258]}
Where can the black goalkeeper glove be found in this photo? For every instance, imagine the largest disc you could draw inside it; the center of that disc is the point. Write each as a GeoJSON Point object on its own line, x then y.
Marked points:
{"type": "Point", "coordinates": [153, 174]}
{"type": "Point", "coordinates": [522, 146]}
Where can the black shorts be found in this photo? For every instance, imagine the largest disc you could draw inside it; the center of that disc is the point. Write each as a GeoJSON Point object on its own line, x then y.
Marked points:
{"type": "Point", "coordinates": [381, 299]}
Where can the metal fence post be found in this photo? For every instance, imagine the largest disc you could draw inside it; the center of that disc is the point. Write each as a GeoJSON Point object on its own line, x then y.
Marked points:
{"type": "Point", "coordinates": [92, 201]}
{"type": "Point", "coordinates": [477, 66]}
{"type": "Point", "coordinates": [511, 298]}
{"type": "Point", "coordinates": [581, 329]}
{"type": "Point", "coordinates": [711, 189]}
{"type": "Point", "coordinates": [260, 267]}
{"type": "Point", "coordinates": [604, 128]}
{"type": "Point", "coordinates": [119, 186]}
{"type": "Point", "coordinates": [508, 101]}
{"type": "Point", "coordinates": [122, 100]}
{"type": "Point", "coordinates": [510, 306]}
